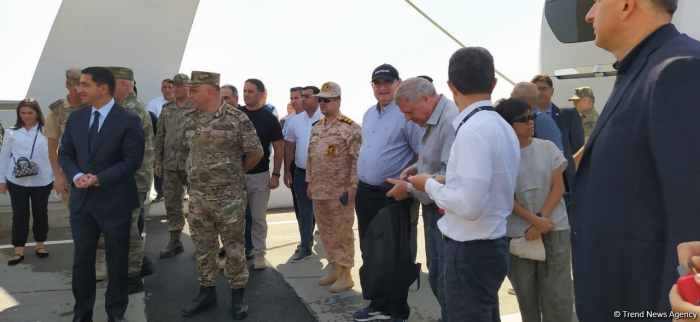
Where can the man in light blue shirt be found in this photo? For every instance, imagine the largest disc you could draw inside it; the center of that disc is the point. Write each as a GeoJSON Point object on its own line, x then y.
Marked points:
{"type": "Point", "coordinates": [545, 127]}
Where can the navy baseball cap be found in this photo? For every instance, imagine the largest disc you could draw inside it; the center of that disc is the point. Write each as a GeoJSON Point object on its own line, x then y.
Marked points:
{"type": "Point", "coordinates": [385, 71]}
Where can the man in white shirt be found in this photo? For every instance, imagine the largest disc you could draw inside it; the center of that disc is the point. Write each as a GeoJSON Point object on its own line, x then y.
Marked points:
{"type": "Point", "coordinates": [156, 104]}
{"type": "Point", "coordinates": [296, 149]}
{"type": "Point", "coordinates": [295, 101]}
{"type": "Point", "coordinates": [477, 195]}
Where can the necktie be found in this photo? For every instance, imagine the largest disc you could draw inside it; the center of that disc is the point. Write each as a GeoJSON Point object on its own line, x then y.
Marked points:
{"type": "Point", "coordinates": [92, 134]}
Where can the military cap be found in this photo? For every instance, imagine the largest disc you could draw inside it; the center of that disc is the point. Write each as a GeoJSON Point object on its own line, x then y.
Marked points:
{"type": "Point", "coordinates": [180, 78]}
{"type": "Point", "coordinates": [582, 92]}
{"type": "Point", "coordinates": [203, 78]}
{"type": "Point", "coordinates": [122, 73]}
{"type": "Point", "coordinates": [73, 77]}
{"type": "Point", "coordinates": [329, 89]}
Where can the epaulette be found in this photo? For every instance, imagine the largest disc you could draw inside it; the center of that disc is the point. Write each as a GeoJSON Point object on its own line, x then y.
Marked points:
{"type": "Point", "coordinates": [55, 104]}
{"type": "Point", "coordinates": [346, 120]}
{"type": "Point", "coordinates": [188, 113]}
{"type": "Point", "coordinates": [319, 121]}
{"type": "Point", "coordinates": [168, 103]}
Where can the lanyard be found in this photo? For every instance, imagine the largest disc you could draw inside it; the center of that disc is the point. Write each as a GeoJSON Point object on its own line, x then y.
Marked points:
{"type": "Point", "coordinates": [478, 109]}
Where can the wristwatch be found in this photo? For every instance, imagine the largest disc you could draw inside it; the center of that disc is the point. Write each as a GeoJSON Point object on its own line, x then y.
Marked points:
{"type": "Point", "coordinates": [276, 174]}
{"type": "Point", "coordinates": [539, 214]}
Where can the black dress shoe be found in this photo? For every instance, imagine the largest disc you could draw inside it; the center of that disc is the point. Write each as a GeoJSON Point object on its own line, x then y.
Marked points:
{"type": "Point", "coordinates": [205, 298]}
{"type": "Point", "coordinates": [14, 262]}
{"type": "Point", "coordinates": [135, 285]}
{"type": "Point", "coordinates": [41, 255]}
{"type": "Point", "coordinates": [147, 268]}
{"type": "Point", "coordinates": [116, 319]}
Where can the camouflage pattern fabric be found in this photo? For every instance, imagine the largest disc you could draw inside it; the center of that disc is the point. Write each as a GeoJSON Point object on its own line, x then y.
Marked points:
{"type": "Point", "coordinates": [332, 162]}
{"type": "Point", "coordinates": [55, 125]}
{"type": "Point", "coordinates": [144, 175]}
{"type": "Point", "coordinates": [169, 150]}
{"type": "Point", "coordinates": [174, 184]}
{"type": "Point", "coordinates": [335, 225]}
{"type": "Point", "coordinates": [136, 245]}
{"type": "Point", "coordinates": [589, 120]}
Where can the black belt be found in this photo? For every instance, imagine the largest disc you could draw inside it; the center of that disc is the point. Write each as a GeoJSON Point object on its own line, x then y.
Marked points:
{"type": "Point", "coordinates": [475, 241]}
{"type": "Point", "coordinates": [432, 206]}
{"type": "Point", "coordinates": [301, 169]}
{"type": "Point", "coordinates": [370, 187]}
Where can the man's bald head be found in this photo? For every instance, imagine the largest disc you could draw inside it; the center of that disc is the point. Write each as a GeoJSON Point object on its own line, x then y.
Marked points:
{"type": "Point", "coordinates": [527, 92]}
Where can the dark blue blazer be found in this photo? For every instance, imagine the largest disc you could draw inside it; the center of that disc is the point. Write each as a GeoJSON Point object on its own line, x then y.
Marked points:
{"type": "Point", "coordinates": [573, 138]}
{"type": "Point", "coordinates": [636, 193]}
{"type": "Point", "coordinates": [117, 156]}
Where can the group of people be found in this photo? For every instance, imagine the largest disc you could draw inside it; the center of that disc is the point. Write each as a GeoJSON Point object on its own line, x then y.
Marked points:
{"type": "Point", "coordinates": [513, 189]}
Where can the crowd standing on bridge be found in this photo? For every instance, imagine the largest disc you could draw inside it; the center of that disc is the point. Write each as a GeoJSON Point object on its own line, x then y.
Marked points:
{"type": "Point", "coordinates": [497, 183]}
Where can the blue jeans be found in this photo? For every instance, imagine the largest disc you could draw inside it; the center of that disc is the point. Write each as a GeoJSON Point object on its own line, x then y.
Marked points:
{"type": "Point", "coordinates": [435, 254]}
{"type": "Point", "coordinates": [306, 220]}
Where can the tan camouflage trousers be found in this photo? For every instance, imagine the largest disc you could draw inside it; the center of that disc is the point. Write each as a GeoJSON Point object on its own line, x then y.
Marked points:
{"type": "Point", "coordinates": [219, 211]}
{"type": "Point", "coordinates": [136, 245]}
{"type": "Point", "coordinates": [174, 184]}
{"type": "Point", "coordinates": [335, 225]}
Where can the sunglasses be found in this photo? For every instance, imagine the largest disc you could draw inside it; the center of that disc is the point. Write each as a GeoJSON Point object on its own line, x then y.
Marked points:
{"type": "Point", "coordinates": [525, 118]}
{"type": "Point", "coordinates": [326, 99]}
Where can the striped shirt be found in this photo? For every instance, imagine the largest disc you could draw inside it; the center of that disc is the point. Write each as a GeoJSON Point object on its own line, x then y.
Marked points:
{"type": "Point", "coordinates": [389, 144]}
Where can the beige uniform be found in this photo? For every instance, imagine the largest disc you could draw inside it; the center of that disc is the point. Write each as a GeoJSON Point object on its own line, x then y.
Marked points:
{"type": "Point", "coordinates": [55, 126]}
{"type": "Point", "coordinates": [332, 168]}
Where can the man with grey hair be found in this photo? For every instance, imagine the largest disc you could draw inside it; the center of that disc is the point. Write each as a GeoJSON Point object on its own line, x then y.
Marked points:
{"type": "Point", "coordinates": [420, 103]}
{"type": "Point", "coordinates": [229, 94]}
{"type": "Point", "coordinates": [545, 127]}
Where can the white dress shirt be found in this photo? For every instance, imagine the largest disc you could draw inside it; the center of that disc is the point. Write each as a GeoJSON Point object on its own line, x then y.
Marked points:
{"type": "Point", "coordinates": [104, 113]}
{"type": "Point", "coordinates": [299, 131]}
{"type": "Point", "coordinates": [156, 105]}
{"type": "Point", "coordinates": [17, 143]}
{"type": "Point", "coordinates": [480, 182]}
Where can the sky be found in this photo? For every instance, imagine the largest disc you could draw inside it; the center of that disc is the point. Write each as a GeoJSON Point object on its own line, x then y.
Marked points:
{"type": "Point", "coordinates": [309, 42]}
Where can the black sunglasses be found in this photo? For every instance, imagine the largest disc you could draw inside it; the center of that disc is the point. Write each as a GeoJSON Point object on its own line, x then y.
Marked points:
{"type": "Point", "coordinates": [326, 99]}
{"type": "Point", "coordinates": [525, 118]}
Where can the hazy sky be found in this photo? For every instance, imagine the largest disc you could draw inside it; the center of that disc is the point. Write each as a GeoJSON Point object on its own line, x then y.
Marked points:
{"type": "Point", "coordinates": [309, 42]}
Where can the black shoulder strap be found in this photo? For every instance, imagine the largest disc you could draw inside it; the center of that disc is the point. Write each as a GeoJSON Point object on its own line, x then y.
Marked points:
{"type": "Point", "coordinates": [478, 109]}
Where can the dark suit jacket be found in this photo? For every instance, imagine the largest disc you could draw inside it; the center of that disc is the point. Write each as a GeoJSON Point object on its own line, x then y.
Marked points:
{"type": "Point", "coordinates": [571, 127]}
{"type": "Point", "coordinates": [636, 189]}
{"type": "Point", "coordinates": [118, 154]}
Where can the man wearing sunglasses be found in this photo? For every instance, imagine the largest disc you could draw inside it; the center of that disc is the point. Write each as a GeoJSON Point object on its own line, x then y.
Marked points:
{"type": "Point", "coordinates": [390, 144]}
{"type": "Point", "coordinates": [296, 148]}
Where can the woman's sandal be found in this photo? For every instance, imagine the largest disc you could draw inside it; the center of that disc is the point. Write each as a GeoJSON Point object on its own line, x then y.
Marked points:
{"type": "Point", "coordinates": [42, 255]}
{"type": "Point", "coordinates": [14, 262]}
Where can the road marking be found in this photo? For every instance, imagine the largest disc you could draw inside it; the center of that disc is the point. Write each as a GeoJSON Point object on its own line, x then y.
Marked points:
{"type": "Point", "coordinates": [286, 222]}
{"type": "Point", "coordinates": [53, 242]}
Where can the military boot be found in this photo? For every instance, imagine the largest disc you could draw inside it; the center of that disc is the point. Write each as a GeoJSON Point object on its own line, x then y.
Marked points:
{"type": "Point", "coordinates": [100, 265]}
{"type": "Point", "coordinates": [205, 298]}
{"type": "Point", "coordinates": [174, 245]}
{"type": "Point", "coordinates": [238, 306]}
{"type": "Point", "coordinates": [331, 276]}
{"type": "Point", "coordinates": [344, 282]}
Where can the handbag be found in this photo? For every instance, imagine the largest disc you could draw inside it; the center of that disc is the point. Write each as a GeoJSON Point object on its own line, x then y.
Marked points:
{"type": "Point", "coordinates": [25, 167]}
{"type": "Point", "coordinates": [533, 249]}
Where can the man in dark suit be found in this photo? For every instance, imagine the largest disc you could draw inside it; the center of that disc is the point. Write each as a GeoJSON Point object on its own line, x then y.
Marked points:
{"type": "Point", "coordinates": [636, 193]}
{"type": "Point", "coordinates": [569, 123]}
{"type": "Point", "coordinates": [101, 149]}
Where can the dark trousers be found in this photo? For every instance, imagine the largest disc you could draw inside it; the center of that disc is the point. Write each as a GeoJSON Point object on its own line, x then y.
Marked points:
{"type": "Point", "coordinates": [86, 226]}
{"type": "Point", "coordinates": [474, 272]}
{"type": "Point", "coordinates": [158, 184]}
{"type": "Point", "coordinates": [21, 197]}
{"type": "Point", "coordinates": [293, 168]}
{"type": "Point", "coordinates": [248, 227]}
{"type": "Point", "coordinates": [435, 253]}
{"type": "Point", "coordinates": [306, 219]}
{"type": "Point", "coordinates": [369, 201]}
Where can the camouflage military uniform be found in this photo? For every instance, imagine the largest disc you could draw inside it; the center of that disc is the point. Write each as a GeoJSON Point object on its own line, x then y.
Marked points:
{"type": "Point", "coordinates": [55, 126]}
{"type": "Point", "coordinates": [217, 142]}
{"type": "Point", "coordinates": [332, 168]}
{"type": "Point", "coordinates": [171, 155]}
{"type": "Point", "coordinates": [144, 181]}
{"type": "Point", "coordinates": [589, 119]}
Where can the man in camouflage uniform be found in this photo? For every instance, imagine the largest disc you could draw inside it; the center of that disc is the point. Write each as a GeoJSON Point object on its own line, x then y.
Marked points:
{"type": "Point", "coordinates": [170, 157]}
{"type": "Point", "coordinates": [331, 171]}
{"type": "Point", "coordinates": [124, 95]}
{"type": "Point", "coordinates": [55, 125]}
{"type": "Point", "coordinates": [584, 101]}
{"type": "Point", "coordinates": [223, 146]}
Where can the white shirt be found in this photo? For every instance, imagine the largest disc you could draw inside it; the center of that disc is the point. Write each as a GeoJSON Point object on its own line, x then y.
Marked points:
{"type": "Point", "coordinates": [299, 131]}
{"type": "Point", "coordinates": [156, 105]}
{"type": "Point", "coordinates": [480, 182]}
{"type": "Point", "coordinates": [18, 143]}
{"type": "Point", "coordinates": [288, 119]}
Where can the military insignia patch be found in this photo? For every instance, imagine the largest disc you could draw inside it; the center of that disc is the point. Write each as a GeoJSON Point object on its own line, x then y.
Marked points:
{"type": "Point", "coordinates": [325, 87]}
{"type": "Point", "coordinates": [63, 121]}
{"type": "Point", "coordinates": [247, 126]}
{"type": "Point", "coordinates": [202, 137]}
{"type": "Point", "coordinates": [357, 138]}
{"type": "Point", "coordinates": [331, 149]}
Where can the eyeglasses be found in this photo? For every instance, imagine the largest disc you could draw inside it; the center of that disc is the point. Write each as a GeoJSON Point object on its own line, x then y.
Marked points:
{"type": "Point", "coordinates": [525, 118]}
{"type": "Point", "coordinates": [326, 99]}
{"type": "Point", "coordinates": [305, 95]}
{"type": "Point", "coordinates": [379, 85]}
